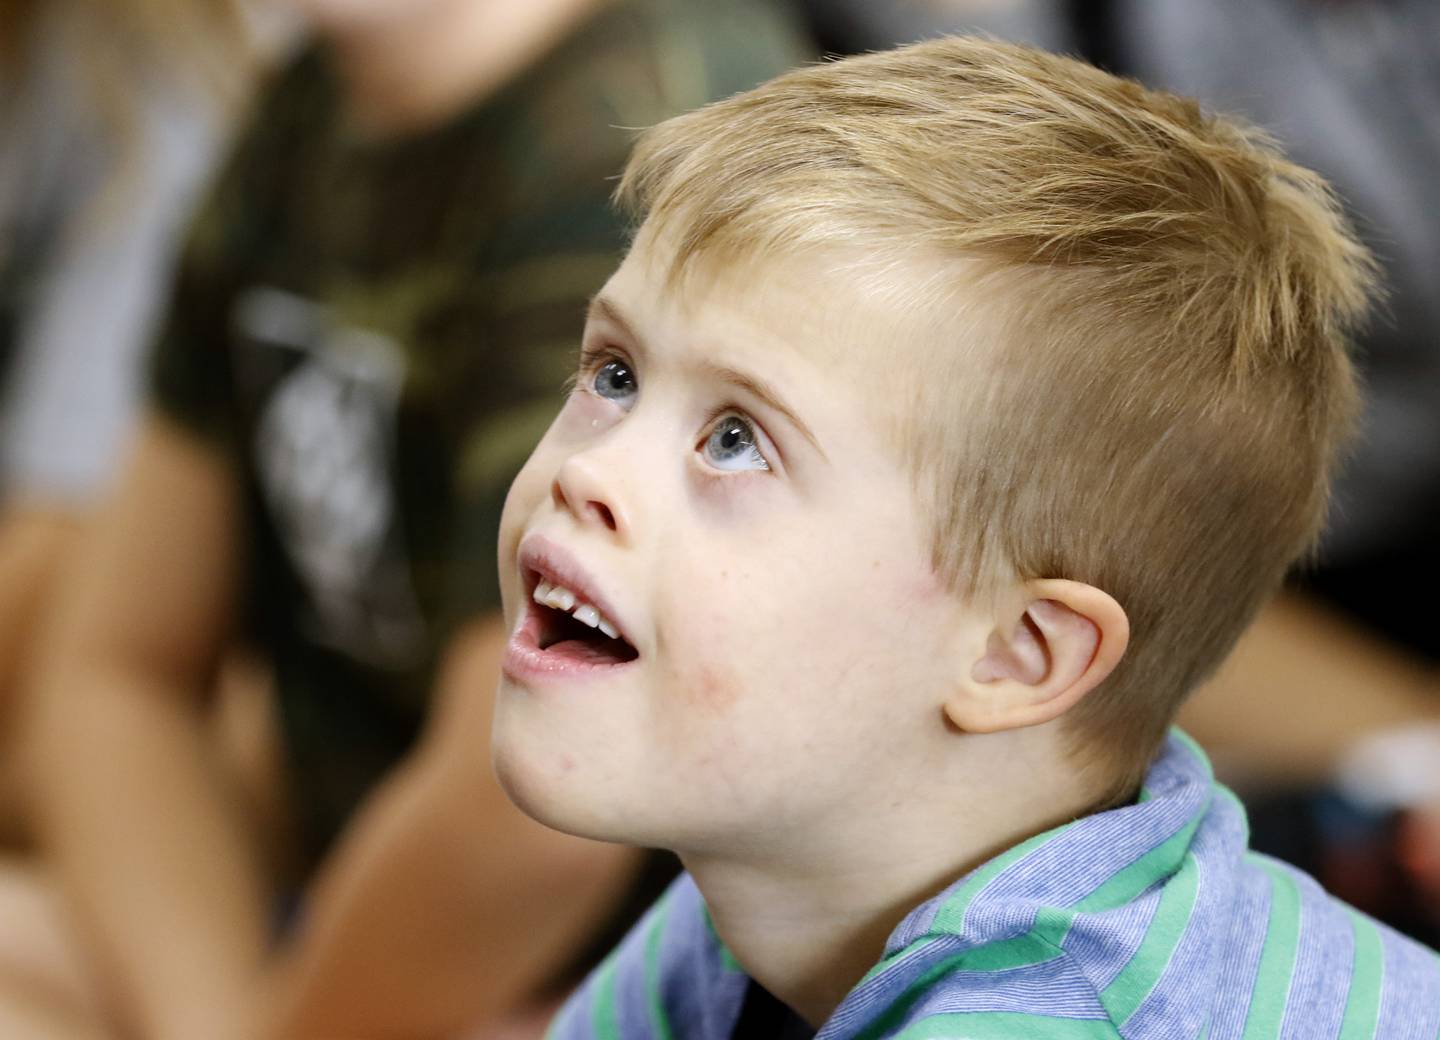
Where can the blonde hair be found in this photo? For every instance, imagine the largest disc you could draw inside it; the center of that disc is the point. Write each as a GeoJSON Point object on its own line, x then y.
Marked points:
{"type": "Point", "coordinates": [1171, 300]}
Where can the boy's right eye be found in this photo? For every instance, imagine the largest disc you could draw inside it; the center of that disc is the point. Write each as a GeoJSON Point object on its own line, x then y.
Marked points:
{"type": "Point", "coordinates": [614, 381]}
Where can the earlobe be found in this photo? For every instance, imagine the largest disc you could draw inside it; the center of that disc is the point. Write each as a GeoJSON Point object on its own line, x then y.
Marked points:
{"type": "Point", "coordinates": [1035, 667]}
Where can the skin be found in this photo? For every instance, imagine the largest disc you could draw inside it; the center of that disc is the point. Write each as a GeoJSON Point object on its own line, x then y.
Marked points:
{"type": "Point", "coordinates": [808, 698]}
{"type": "Point", "coordinates": [137, 826]}
{"type": "Point", "coordinates": [409, 64]}
{"type": "Point", "coordinates": [401, 938]}
{"type": "Point", "coordinates": [35, 539]}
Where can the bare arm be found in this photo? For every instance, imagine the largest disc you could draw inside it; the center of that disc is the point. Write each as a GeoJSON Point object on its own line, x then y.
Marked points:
{"type": "Point", "coordinates": [26, 1017]}
{"type": "Point", "coordinates": [1302, 685]}
{"type": "Point", "coordinates": [130, 807]}
{"type": "Point", "coordinates": [34, 540]}
{"type": "Point", "coordinates": [444, 907]}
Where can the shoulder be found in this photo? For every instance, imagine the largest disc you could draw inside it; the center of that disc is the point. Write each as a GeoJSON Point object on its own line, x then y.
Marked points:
{"type": "Point", "coordinates": [1314, 964]}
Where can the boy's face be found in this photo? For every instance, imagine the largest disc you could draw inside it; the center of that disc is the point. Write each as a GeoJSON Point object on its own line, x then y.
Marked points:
{"type": "Point", "coordinates": [719, 483]}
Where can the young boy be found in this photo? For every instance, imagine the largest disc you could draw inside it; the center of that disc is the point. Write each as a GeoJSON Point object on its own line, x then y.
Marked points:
{"type": "Point", "coordinates": [954, 411]}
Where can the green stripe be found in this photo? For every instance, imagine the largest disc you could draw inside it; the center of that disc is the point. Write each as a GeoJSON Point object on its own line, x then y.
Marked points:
{"type": "Point", "coordinates": [727, 959]}
{"type": "Point", "coordinates": [1135, 981]}
{"type": "Point", "coordinates": [1051, 925]}
{"type": "Point", "coordinates": [1126, 886]}
{"type": "Point", "coordinates": [1044, 940]}
{"type": "Point", "coordinates": [1277, 956]}
{"type": "Point", "coordinates": [1018, 952]}
{"type": "Point", "coordinates": [602, 1012]}
{"type": "Point", "coordinates": [950, 918]}
{"type": "Point", "coordinates": [1040, 944]}
{"type": "Point", "coordinates": [1007, 1025]}
{"type": "Point", "coordinates": [1121, 888]}
{"type": "Point", "coordinates": [1367, 973]}
{"type": "Point", "coordinates": [1224, 793]}
{"type": "Point", "coordinates": [1196, 750]}
{"type": "Point", "coordinates": [729, 962]}
{"type": "Point", "coordinates": [658, 1019]}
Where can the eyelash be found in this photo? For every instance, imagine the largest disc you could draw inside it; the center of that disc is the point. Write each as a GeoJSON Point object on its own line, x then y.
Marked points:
{"type": "Point", "coordinates": [592, 359]}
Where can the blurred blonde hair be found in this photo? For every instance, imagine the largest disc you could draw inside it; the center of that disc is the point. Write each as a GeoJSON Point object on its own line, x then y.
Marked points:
{"type": "Point", "coordinates": [1164, 302]}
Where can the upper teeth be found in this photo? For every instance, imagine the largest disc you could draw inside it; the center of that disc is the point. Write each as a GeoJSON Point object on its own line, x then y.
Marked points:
{"type": "Point", "coordinates": [561, 598]}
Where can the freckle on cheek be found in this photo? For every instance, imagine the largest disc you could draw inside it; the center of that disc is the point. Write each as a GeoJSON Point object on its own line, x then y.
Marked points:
{"type": "Point", "coordinates": [712, 687]}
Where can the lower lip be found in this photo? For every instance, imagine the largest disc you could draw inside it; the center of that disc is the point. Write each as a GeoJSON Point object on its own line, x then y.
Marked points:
{"type": "Point", "coordinates": [525, 661]}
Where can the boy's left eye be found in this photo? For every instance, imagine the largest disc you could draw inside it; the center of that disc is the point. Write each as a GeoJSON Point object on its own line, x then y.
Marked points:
{"type": "Point", "coordinates": [732, 445]}
{"type": "Point", "coordinates": [615, 381]}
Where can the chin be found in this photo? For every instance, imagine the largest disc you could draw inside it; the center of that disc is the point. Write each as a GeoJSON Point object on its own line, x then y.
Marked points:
{"type": "Point", "coordinates": [546, 786]}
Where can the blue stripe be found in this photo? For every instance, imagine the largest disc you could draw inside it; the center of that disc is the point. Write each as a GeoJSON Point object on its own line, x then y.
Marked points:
{"type": "Point", "coordinates": [1129, 997]}
{"type": "Point", "coordinates": [632, 997]}
{"type": "Point", "coordinates": [1235, 956]}
{"type": "Point", "coordinates": [1006, 1026]}
{"type": "Point", "coordinates": [1179, 1002]}
{"type": "Point", "coordinates": [1082, 857]}
{"type": "Point", "coordinates": [1053, 988]}
{"type": "Point", "coordinates": [1013, 963]}
{"type": "Point", "coordinates": [1322, 967]}
{"type": "Point", "coordinates": [702, 996]}
{"type": "Point", "coordinates": [1105, 942]}
{"type": "Point", "coordinates": [1410, 994]}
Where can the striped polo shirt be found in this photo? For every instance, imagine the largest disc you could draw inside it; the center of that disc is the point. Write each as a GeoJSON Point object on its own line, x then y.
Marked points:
{"type": "Point", "coordinates": [1149, 921]}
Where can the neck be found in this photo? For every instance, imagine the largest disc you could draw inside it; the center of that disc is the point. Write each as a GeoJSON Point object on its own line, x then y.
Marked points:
{"type": "Point", "coordinates": [426, 64]}
{"type": "Point", "coordinates": [807, 928]}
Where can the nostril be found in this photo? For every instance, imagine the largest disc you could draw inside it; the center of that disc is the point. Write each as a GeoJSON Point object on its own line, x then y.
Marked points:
{"type": "Point", "coordinates": [604, 513]}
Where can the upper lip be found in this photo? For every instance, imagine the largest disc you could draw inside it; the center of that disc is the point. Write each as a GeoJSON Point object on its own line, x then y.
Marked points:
{"type": "Point", "coordinates": [542, 558]}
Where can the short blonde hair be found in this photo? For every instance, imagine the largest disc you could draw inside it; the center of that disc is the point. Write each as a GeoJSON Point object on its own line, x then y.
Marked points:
{"type": "Point", "coordinates": [1163, 413]}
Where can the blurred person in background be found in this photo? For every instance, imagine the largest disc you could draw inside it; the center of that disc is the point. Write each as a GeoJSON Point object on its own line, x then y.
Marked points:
{"type": "Point", "coordinates": [374, 315]}
{"type": "Point", "coordinates": [1327, 716]}
{"type": "Point", "coordinates": [110, 116]}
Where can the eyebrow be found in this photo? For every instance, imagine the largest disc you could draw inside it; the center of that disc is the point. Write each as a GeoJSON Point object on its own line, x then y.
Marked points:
{"type": "Point", "coordinates": [750, 384]}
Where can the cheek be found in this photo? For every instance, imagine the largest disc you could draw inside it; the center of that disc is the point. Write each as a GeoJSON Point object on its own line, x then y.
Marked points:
{"type": "Point", "coordinates": [705, 673]}
{"type": "Point", "coordinates": [528, 491]}
{"type": "Point", "coordinates": [749, 647]}
{"type": "Point", "coordinates": [715, 687]}
{"type": "Point", "coordinates": [715, 681]}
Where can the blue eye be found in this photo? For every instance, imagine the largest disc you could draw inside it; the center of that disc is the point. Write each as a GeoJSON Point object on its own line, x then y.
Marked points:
{"type": "Point", "coordinates": [731, 445]}
{"type": "Point", "coordinates": [614, 381]}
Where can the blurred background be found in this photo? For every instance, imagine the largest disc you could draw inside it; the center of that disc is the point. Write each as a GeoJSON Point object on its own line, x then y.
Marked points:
{"type": "Point", "coordinates": [287, 288]}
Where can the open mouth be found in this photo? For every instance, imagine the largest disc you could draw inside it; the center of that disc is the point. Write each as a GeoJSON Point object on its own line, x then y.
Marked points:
{"type": "Point", "coordinates": [562, 635]}
{"type": "Point", "coordinates": [566, 627]}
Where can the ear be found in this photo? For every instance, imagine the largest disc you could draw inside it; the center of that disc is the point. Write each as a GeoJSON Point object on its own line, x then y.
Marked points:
{"type": "Point", "coordinates": [1038, 665]}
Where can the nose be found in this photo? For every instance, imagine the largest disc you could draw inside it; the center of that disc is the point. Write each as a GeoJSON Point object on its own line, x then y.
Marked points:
{"type": "Point", "coordinates": [589, 490]}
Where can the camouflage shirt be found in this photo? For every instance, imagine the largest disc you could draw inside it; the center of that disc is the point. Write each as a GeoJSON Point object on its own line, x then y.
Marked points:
{"type": "Point", "coordinates": [376, 333]}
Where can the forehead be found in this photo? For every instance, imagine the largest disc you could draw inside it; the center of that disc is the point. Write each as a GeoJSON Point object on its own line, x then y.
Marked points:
{"type": "Point", "coordinates": [782, 311]}
{"type": "Point", "coordinates": [885, 331]}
